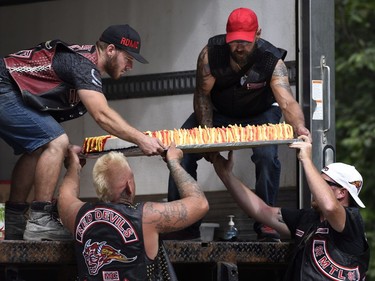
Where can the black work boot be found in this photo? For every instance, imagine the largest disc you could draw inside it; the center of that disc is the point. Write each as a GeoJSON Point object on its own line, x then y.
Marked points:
{"type": "Point", "coordinates": [15, 220]}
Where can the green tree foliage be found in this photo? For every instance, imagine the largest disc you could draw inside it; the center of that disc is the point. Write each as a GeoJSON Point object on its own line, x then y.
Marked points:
{"type": "Point", "coordinates": [355, 99]}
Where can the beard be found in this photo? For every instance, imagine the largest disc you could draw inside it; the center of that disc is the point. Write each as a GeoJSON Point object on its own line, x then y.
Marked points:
{"type": "Point", "coordinates": [111, 68]}
{"type": "Point", "coordinates": [244, 57]}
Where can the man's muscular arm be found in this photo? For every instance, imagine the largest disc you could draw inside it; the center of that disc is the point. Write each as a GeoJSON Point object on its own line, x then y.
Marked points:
{"type": "Point", "coordinates": [68, 202]}
{"type": "Point", "coordinates": [111, 121]}
{"type": "Point", "coordinates": [283, 94]}
{"type": "Point", "coordinates": [204, 82]}
{"type": "Point", "coordinates": [192, 206]}
{"type": "Point", "coordinates": [248, 201]}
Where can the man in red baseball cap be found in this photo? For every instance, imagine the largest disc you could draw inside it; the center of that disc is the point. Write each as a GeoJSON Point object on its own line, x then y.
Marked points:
{"type": "Point", "coordinates": [242, 79]}
{"type": "Point", "coordinates": [242, 25]}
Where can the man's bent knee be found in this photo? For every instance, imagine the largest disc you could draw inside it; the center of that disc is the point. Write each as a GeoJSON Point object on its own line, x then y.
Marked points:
{"type": "Point", "coordinates": [59, 144]}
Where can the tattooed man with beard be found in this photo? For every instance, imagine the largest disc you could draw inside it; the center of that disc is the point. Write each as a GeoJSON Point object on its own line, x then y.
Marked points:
{"type": "Point", "coordinates": [242, 79]}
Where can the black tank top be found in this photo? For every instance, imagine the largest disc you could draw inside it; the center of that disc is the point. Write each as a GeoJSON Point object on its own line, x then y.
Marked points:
{"type": "Point", "coordinates": [242, 94]}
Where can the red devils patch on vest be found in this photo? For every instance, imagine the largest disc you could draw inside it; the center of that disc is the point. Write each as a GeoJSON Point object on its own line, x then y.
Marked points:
{"type": "Point", "coordinates": [110, 217]}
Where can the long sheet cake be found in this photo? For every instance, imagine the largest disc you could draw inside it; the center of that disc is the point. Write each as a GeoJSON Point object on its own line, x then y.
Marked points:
{"type": "Point", "coordinates": [199, 137]}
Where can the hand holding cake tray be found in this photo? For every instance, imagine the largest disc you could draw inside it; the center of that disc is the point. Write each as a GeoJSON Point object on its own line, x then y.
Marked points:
{"type": "Point", "coordinates": [197, 140]}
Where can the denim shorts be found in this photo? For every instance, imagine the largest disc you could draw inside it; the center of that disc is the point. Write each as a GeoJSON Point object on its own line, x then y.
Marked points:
{"type": "Point", "coordinates": [22, 127]}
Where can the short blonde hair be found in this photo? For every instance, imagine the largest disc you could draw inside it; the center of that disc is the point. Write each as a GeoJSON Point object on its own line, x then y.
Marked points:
{"type": "Point", "coordinates": [101, 170]}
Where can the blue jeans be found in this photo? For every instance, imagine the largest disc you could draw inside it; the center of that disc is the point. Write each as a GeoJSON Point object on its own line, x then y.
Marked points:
{"type": "Point", "coordinates": [22, 127]}
{"type": "Point", "coordinates": [265, 158]}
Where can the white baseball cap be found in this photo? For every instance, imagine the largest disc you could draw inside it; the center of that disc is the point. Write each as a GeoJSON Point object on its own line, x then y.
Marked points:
{"type": "Point", "coordinates": [348, 177]}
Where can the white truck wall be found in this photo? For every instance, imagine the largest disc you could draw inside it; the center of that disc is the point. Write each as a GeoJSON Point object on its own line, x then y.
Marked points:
{"type": "Point", "coordinates": [173, 33]}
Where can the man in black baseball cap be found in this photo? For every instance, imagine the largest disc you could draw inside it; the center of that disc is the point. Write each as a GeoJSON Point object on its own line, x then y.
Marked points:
{"type": "Point", "coordinates": [125, 38]}
{"type": "Point", "coordinates": [62, 81]}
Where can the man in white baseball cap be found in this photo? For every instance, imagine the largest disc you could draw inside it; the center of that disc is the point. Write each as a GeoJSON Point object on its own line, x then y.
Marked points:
{"type": "Point", "coordinates": [345, 176]}
{"type": "Point", "coordinates": [329, 238]}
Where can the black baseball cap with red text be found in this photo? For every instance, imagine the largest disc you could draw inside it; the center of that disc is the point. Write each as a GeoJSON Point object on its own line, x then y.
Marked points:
{"type": "Point", "coordinates": [124, 37]}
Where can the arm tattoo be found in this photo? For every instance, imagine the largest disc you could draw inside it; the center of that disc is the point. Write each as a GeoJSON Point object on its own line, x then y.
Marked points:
{"type": "Point", "coordinates": [280, 76]}
{"type": "Point", "coordinates": [172, 212]}
{"type": "Point", "coordinates": [202, 100]}
{"type": "Point", "coordinates": [203, 69]}
{"type": "Point", "coordinates": [186, 185]}
{"type": "Point", "coordinates": [166, 216]}
{"type": "Point", "coordinates": [280, 70]}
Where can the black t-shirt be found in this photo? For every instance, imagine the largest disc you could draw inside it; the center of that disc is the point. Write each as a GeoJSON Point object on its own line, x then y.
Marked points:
{"type": "Point", "coordinates": [77, 70]}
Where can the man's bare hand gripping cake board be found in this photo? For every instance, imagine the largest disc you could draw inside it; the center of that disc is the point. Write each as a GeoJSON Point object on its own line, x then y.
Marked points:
{"type": "Point", "coordinates": [197, 140]}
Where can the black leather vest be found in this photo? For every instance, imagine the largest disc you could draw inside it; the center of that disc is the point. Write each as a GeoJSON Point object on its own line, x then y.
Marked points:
{"type": "Point", "coordinates": [41, 88]}
{"type": "Point", "coordinates": [109, 243]}
{"type": "Point", "coordinates": [242, 94]}
{"type": "Point", "coordinates": [321, 258]}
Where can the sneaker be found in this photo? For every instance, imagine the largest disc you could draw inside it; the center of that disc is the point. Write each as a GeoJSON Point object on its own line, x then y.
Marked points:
{"type": "Point", "coordinates": [267, 234]}
{"type": "Point", "coordinates": [43, 225]}
{"type": "Point", "coordinates": [15, 220]}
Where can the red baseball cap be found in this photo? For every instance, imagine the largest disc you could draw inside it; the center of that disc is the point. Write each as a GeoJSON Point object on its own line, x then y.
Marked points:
{"type": "Point", "coordinates": [242, 25]}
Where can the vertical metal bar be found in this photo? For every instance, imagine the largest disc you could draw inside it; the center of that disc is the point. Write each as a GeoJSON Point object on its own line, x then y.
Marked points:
{"type": "Point", "coordinates": [316, 82]}
{"type": "Point", "coordinates": [324, 66]}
